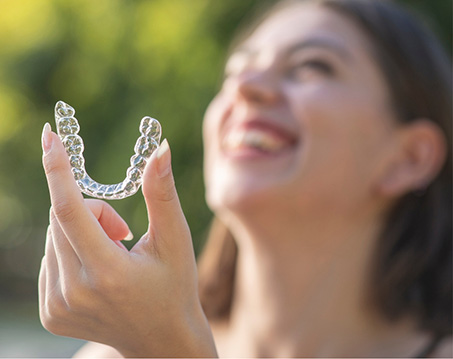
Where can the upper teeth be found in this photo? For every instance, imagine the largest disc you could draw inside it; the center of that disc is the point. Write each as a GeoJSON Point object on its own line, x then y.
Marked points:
{"type": "Point", "coordinates": [253, 138]}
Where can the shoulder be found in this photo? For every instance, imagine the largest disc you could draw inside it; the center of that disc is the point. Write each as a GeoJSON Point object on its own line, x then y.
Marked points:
{"type": "Point", "coordinates": [444, 349]}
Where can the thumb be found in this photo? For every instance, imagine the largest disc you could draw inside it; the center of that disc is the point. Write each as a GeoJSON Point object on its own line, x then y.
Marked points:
{"type": "Point", "coordinates": [167, 225]}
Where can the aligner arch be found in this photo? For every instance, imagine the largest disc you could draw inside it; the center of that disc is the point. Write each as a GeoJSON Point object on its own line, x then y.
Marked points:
{"type": "Point", "coordinates": [68, 129]}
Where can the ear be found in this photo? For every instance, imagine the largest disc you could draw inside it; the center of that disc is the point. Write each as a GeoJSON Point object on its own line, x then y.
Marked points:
{"type": "Point", "coordinates": [421, 152]}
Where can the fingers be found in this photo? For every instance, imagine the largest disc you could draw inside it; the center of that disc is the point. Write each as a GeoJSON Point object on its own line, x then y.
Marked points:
{"type": "Point", "coordinates": [68, 262]}
{"type": "Point", "coordinates": [49, 276]}
{"type": "Point", "coordinates": [114, 226]}
{"type": "Point", "coordinates": [168, 225]}
{"type": "Point", "coordinates": [51, 264]}
{"type": "Point", "coordinates": [42, 288]}
{"type": "Point", "coordinates": [77, 222]}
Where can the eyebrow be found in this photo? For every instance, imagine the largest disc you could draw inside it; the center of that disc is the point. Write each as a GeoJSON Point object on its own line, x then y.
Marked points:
{"type": "Point", "coordinates": [309, 43]}
{"type": "Point", "coordinates": [322, 43]}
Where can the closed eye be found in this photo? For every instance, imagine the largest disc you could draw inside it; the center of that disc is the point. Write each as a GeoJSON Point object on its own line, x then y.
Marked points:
{"type": "Point", "coordinates": [309, 68]}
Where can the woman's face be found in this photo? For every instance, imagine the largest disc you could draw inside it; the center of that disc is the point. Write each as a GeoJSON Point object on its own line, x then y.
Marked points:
{"type": "Point", "coordinates": [303, 117]}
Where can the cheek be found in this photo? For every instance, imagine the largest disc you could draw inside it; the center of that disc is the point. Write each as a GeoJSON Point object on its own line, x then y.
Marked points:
{"type": "Point", "coordinates": [345, 131]}
{"type": "Point", "coordinates": [211, 127]}
{"type": "Point", "coordinates": [212, 116]}
{"type": "Point", "coordinates": [346, 118]}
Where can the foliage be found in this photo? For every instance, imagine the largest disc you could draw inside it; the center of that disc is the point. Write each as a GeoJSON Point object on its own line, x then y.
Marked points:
{"type": "Point", "coordinates": [114, 61]}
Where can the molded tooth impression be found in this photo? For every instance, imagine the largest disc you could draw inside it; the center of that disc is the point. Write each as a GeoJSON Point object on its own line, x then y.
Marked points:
{"type": "Point", "coordinates": [68, 129]}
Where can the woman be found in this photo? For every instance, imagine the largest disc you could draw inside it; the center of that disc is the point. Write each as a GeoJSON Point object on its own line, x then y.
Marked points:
{"type": "Point", "coordinates": [328, 160]}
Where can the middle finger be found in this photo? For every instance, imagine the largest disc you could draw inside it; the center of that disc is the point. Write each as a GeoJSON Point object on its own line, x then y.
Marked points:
{"type": "Point", "coordinates": [67, 259]}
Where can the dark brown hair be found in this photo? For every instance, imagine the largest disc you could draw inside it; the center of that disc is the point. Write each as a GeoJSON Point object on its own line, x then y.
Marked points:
{"type": "Point", "coordinates": [412, 269]}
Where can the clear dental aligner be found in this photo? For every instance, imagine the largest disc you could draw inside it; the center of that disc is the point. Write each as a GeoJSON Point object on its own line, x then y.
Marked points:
{"type": "Point", "coordinates": [68, 129]}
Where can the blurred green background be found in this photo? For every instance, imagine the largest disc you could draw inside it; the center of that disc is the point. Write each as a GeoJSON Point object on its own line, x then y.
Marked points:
{"type": "Point", "coordinates": [114, 61]}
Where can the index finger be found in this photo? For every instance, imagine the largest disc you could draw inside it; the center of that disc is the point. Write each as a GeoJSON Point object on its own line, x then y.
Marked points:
{"type": "Point", "coordinates": [77, 222]}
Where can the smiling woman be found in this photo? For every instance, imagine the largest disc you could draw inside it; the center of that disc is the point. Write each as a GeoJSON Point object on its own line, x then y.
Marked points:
{"type": "Point", "coordinates": [328, 168]}
{"type": "Point", "coordinates": [347, 95]}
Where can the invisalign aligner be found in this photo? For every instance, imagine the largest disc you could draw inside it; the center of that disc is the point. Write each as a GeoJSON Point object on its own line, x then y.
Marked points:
{"type": "Point", "coordinates": [68, 129]}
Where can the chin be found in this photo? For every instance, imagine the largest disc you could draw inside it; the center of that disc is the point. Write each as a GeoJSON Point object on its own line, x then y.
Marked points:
{"type": "Point", "coordinates": [241, 193]}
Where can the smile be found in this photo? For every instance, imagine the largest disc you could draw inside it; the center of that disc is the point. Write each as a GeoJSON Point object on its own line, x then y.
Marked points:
{"type": "Point", "coordinates": [257, 138]}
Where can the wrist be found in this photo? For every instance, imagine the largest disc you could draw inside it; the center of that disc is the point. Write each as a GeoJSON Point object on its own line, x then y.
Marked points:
{"type": "Point", "coordinates": [188, 336]}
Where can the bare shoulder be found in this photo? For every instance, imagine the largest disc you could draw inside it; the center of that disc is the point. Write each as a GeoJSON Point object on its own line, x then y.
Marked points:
{"type": "Point", "coordinates": [97, 350]}
{"type": "Point", "coordinates": [444, 349]}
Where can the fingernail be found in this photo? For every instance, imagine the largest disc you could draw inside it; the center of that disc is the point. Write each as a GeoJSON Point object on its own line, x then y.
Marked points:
{"type": "Point", "coordinates": [163, 159]}
{"type": "Point", "coordinates": [129, 236]}
{"type": "Point", "coordinates": [46, 138]}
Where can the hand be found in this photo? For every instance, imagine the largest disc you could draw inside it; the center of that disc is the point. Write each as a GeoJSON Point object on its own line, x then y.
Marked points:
{"type": "Point", "coordinates": [143, 302]}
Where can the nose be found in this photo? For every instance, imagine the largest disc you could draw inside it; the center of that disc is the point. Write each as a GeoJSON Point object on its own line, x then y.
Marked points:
{"type": "Point", "coordinates": [259, 87]}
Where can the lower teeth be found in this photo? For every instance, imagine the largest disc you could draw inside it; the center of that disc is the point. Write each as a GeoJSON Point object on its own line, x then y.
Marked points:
{"type": "Point", "coordinates": [68, 129]}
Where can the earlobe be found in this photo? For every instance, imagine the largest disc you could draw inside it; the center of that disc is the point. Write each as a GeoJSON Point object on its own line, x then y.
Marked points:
{"type": "Point", "coordinates": [420, 155]}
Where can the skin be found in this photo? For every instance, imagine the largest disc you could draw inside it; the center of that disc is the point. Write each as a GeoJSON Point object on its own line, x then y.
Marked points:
{"type": "Point", "coordinates": [142, 302]}
{"type": "Point", "coordinates": [307, 219]}
{"type": "Point", "coordinates": [306, 216]}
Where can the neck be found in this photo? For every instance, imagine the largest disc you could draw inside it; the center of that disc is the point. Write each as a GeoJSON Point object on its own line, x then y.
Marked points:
{"type": "Point", "coordinates": [300, 290]}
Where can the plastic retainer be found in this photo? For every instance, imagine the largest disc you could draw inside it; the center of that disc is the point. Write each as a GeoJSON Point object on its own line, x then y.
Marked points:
{"type": "Point", "coordinates": [68, 129]}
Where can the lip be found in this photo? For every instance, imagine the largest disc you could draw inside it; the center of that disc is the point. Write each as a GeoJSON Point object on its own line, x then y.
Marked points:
{"type": "Point", "coordinates": [276, 129]}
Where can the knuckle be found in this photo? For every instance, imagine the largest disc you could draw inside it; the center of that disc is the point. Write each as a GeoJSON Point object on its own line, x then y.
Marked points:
{"type": "Point", "coordinates": [52, 314]}
{"type": "Point", "coordinates": [52, 216]}
{"type": "Point", "coordinates": [56, 307]}
{"type": "Point", "coordinates": [101, 209]}
{"type": "Point", "coordinates": [49, 324]}
{"type": "Point", "coordinates": [52, 166]}
{"type": "Point", "coordinates": [106, 211]}
{"type": "Point", "coordinates": [93, 203]}
{"type": "Point", "coordinates": [74, 298]}
{"type": "Point", "coordinates": [64, 210]}
{"type": "Point", "coordinates": [167, 192]}
{"type": "Point", "coordinates": [105, 284]}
